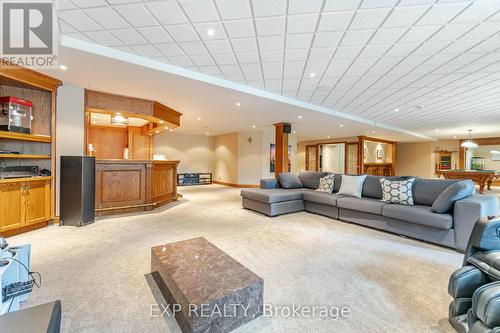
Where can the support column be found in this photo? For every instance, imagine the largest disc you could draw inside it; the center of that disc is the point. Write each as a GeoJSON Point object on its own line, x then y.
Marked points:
{"type": "Point", "coordinates": [281, 141]}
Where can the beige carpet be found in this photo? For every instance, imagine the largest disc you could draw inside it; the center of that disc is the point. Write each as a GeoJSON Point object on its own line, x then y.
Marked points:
{"type": "Point", "coordinates": [390, 283]}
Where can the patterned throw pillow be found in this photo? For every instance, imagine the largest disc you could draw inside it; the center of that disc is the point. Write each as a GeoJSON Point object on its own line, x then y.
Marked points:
{"type": "Point", "coordinates": [326, 184]}
{"type": "Point", "coordinates": [397, 191]}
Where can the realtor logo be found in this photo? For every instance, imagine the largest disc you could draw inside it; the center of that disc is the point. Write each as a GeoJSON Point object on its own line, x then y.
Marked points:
{"type": "Point", "coordinates": [29, 34]}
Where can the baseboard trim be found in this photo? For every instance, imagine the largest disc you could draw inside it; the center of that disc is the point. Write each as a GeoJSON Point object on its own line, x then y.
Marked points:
{"type": "Point", "coordinates": [235, 185]}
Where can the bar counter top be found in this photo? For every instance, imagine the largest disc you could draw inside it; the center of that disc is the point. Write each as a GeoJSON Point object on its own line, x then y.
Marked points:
{"type": "Point", "coordinates": [132, 161]}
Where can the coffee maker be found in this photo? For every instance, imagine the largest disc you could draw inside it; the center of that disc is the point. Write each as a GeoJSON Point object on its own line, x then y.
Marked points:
{"type": "Point", "coordinates": [15, 115]}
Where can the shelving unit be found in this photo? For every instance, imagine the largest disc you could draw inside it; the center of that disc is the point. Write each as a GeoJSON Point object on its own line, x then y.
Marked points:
{"type": "Point", "coordinates": [189, 179]}
{"type": "Point", "coordinates": [29, 203]}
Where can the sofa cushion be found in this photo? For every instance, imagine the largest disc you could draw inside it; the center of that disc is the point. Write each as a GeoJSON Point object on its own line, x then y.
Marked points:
{"type": "Point", "coordinates": [426, 191]}
{"type": "Point", "coordinates": [289, 180]}
{"type": "Point", "coordinates": [321, 197]}
{"type": "Point", "coordinates": [367, 205]}
{"type": "Point", "coordinates": [310, 179]}
{"type": "Point", "coordinates": [419, 215]}
{"type": "Point", "coordinates": [326, 184]}
{"type": "Point", "coordinates": [352, 185]}
{"type": "Point", "coordinates": [337, 181]}
{"type": "Point", "coordinates": [372, 187]}
{"type": "Point", "coordinates": [270, 195]}
{"type": "Point", "coordinates": [397, 191]}
{"type": "Point", "coordinates": [460, 190]}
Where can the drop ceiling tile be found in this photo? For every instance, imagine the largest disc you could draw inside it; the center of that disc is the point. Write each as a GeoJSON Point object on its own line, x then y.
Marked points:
{"type": "Point", "coordinates": [233, 9]}
{"type": "Point", "coordinates": [270, 26]}
{"type": "Point", "coordinates": [248, 57]}
{"type": "Point", "coordinates": [300, 41]}
{"type": "Point", "coordinates": [182, 33]}
{"type": "Point", "coordinates": [124, 49]}
{"type": "Point", "coordinates": [148, 51]}
{"type": "Point", "coordinates": [335, 21]}
{"type": "Point", "coordinates": [199, 10]}
{"type": "Point", "coordinates": [337, 67]}
{"type": "Point", "coordinates": [316, 67]}
{"type": "Point", "coordinates": [478, 11]}
{"type": "Point", "coordinates": [225, 59]}
{"type": "Point", "coordinates": [273, 75]}
{"type": "Point", "coordinates": [295, 55]}
{"type": "Point", "coordinates": [321, 53]}
{"type": "Point", "coordinates": [458, 47]}
{"type": "Point", "coordinates": [487, 45]}
{"type": "Point", "coordinates": [65, 28]}
{"type": "Point", "coordinates": [291, 85]}
{"type": "Point", "coordinates": [429, 48]}
{"type": "Point", "coordinates": [155, 35]}
{"type": "Point", "coordinates": [244, 45]}
{"type": "Point", "coordinates": [327, 39]}
{"type": "Point", "coordinates": [219, 46]}
{"type": "Point", "coordinates": [369, 18]}
{"type": "Point", "coordinates": [416, 2]}
{"type": "Point", "coordinates": [170, 49]}
{"type": "Point", "coordinates": [250, 67]}
{"type": "Point", "coordinates": [272, 67]}
{"type": "Point", "coordinates": [420, 34]}
{"type": "Point", "coordinates": [451, 32]}
{"type": "Point", "coordinates": [402, 49]}
{"type": "Point", "coordinates": [404, 16]}
{"type": "Point", "coordinates": [270, 56]}
{"type": "Point", "coordinates": [167, 12]}
{"type": "Point", "coordinates": [79, 20]}
{"type": "Point", "coordinates": [182, 61]}
{"type": "Point", "coordinates": [103, 38]}
{"type": "Point", "coordinates": [137, 15]}
{"type": "Point", "coordinates": [202, 60]}
{"type": "Point", "coordinates": [217, 28]}
{"type": "Point", "coordinates": [356, 37]}
{"type": "Point", "coordinates": [334, 5]}
{"type": "Point", "coordinates": [360, 66]}
{"type": "Point", "coordinates": [347, 51]}
{"type": "Point", "coordinates": [193, 48]}
{"type": "Point", "coordinates": [442, 13]}
{"type": "Point", "coordinates": [270, 43]}
{"type": "Point", "coordinates": [107, 18]}
{"type": "Point", "coordinates": [89, 3]}
{"type": "Point", "coordinates": [374, 51]}
{"type": "Point", "coordinates": [64, 5]}
{"type": "Point", "coordinates": [378, 3]}
{"type": "Point", "coordinates": [301, 23]}
{"type": "Point", "coordinates": [304, 7]}
{"type": "Point", "coordinates": [269, 8]}
{"type": "Point", "coordinates": [253, 76]}
{"type": "Point", "coordinates": [387, 36]}
{"type": "Point", "coordinates": [116, 2]}
{"type": "Point", "coordinates": [239, 28]}
{"type": "Point", "coordinates": [485, 29]}
{"type": "Point", "coordinates": [129, 36]}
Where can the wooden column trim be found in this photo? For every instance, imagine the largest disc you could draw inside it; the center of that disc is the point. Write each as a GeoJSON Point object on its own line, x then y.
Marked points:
{"type": "Point", "coordinates": [281, 142]}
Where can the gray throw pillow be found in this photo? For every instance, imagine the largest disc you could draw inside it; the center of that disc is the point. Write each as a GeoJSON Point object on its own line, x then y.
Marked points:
{"type": "Point", "coordinates": [397, 191]}
{"type": "Point", "coordinates": [460, 190]}
{"type": "Point", "coordinates": [289, 180]}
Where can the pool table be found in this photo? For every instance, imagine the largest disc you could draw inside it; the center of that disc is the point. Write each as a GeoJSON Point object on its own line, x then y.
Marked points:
{"type": "Point", "coordinates": [483, 178]}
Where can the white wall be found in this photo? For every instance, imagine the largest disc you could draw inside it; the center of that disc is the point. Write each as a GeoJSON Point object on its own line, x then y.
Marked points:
{"type": "Point", "coordinates": [196, 152]}
{"type": "Point", "coordinates": [70, 126]}
{"type": "Point", "coordinates": [249, 158]}
{"type": "Point", "coordinates": [226, 158]}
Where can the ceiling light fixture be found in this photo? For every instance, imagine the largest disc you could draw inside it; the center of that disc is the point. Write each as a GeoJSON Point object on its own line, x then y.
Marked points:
{"type": "Point", "coordinates": [437, 130]}
{"type": "Point", "coordinates": [396, 110]}
{"type": "Point", "coordinates": [238, 104]}
{"type": "Point", "coordinates": [328, 137]}
{"type": "Point", "coordinates": [469, 143]}
{"type": "Point", "coordinates": [208, 133]}
{"type": "Point", "coordinates": [294, 132]}
{"type": "Point", "coordinates": [63, 67]}
{"type": "Point", "coordinates": [170, 130]}
{"type": "Point", "coordinates": [119, 120]}
{"type": "Point", "coordinates": [300, 117]}
{"type": "Point", "coordinates": [341, 125]}
{"type": "Point", "coordinates": [199, 118]}
{"type": "Point", "coordinates": [312, 74]}
{"type": "Point", "coordinates": [373, 132]}
{"type": "Point", "coordinates": [253, 126]}
{"type": "Point", "coordinates": [210, 32]}
{"type": "Point", "coordinates": [157, 132]}
{"type": "Point", "coordinates": [161, 121]}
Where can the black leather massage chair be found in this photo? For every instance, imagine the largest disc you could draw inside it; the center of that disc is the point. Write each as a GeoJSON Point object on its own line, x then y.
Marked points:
{"type": "Point", "coordinates": [476, 286]}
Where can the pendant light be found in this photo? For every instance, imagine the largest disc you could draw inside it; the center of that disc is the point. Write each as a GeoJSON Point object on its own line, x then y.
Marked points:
{"type": "Point", "coordinates": [469, 143]}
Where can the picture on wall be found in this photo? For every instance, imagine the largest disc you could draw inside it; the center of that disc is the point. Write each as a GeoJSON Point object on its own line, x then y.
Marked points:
{"type": "Point", "coordinates": [380, 154]}
{"type": "Point", "coordinates": [272, 158]}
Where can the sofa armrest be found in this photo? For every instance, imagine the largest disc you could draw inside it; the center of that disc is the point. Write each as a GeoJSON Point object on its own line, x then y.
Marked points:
{"type": "Point", "coordinates": [269, 183]}
{"type": "Point", "coordinates": [467, 212]}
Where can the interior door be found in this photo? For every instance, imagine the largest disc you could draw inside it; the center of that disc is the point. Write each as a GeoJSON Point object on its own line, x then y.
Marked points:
{"type": "Point", "coordinates": [11, 209]}
{"type": "Point", "coordinates": [37, 201]}
{"type": "Point", "coordinates": [332, 158]}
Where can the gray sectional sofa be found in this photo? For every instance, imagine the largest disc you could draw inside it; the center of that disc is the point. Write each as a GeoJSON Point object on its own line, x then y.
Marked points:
{"type": "Point", "coordinates": [451, 229]}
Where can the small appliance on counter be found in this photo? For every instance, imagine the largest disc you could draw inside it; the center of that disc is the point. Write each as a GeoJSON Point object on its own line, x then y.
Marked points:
{"type": "Point", "coordinates": [18, 171]}
{"type": "Point", "coordinates": [15, 115]}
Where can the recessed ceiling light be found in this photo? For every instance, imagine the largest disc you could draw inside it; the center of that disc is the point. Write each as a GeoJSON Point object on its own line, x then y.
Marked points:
{"type": "Point", "coordinates": [208, 133]}
{"type": "Point", "coordinates": [341, 125]}
{"type": "Point", "coordinates": [312, 74]}
{"type": "Point", "coordinates": [300, 117]}
{"type": "Point", "coordinates": [63, 67]}
{"type": "Point", "coordinates": [150, 134]}
{"type": "Point", "coordinates": [328, 137]}
{"type": "Point", "coordinates": [161, 121]}
{"type": "Point", "coordinates": [210, 32]}
{"type": "Point", "coordinates": [253, 126]}
{"type": "Point", "coordinates": [396, 110]}
{"type": "Point", "coordinates": [170, 130]}
{"type": "Point", "coordinates": [118, 113]}
{"type": "Point", "coordinates": [454, 137]}
{"type": "Point", "coordinates": [373, 132]}
{"type": "Point", "coordinates": [238, 103]}
{"type": "Point", "coordinates": [294, 132]}
{"type": "Point", "coordinates": [199, 118]}
{"type": "Point", "coordinates": [437, 130]}
{"type": "Point", "coordinates": [166, 127]}
{"type": "Point", "coordinates": [157, 132]}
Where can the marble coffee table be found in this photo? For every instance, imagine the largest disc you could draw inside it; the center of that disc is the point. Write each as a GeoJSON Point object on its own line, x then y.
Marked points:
{"type": "Point", "coordinates": [208, 290]}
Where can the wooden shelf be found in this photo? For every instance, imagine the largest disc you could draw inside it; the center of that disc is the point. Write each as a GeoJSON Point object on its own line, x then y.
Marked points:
{"type": "Point", "coordinates": [25, 137]}
{"type": "Point", "coordinates": [24, 179]}
{"type": "Point", "coordinates": [41, 157]}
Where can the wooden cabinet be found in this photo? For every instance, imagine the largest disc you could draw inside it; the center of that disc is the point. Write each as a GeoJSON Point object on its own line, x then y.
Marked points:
{"type": "Point", "coordinates": [24, 204]}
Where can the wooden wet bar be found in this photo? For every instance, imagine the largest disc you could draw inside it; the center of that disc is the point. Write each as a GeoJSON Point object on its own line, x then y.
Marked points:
{"type": "Point", "coordinates": [133, 185]}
